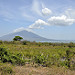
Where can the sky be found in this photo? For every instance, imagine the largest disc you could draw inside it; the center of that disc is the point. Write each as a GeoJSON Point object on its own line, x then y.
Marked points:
{"type": "Point", "coordinates": [52, 19]}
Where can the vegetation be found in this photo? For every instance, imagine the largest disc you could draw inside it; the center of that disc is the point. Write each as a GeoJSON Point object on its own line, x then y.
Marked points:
{"type": "Point", "coordinates": [5, 56]}
{"type": "Point", "coordinates": [17, 38]}
{"type": "Point", "coordinates": [5, 69]}
{"type": "Point", "coordinates": [37, 54]}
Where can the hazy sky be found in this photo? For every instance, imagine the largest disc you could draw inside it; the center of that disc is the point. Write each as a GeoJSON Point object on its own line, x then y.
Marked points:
{"type": "Point", "coordinates": [53, 19]}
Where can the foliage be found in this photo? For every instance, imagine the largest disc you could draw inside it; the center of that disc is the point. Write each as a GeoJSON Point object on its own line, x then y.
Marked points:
{"type": "Point", "coordinates": [17, 38]}
{"type": "Point", "coordinates": [5, 56]}
{"type": "Point", "coordinates": [40, 59]}
{"type": "Point", "coordinates": [17, 59]}
{"type": "Point", "coordinates": [42, 53]}
{"type": "Point", "coordinates": [1, 42]}
{"type": "Point", "coordinates": [6, 70]}
{"type": "Point", "coordinates": [70, 45]}
{"type": "Point", "coordinates": [24, 42]}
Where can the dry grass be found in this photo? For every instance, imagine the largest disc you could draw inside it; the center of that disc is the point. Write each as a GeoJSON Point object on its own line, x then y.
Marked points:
{"type": "Point", "coordinates": [39, 70]}
{"type": "Point", "coordinates": [32, 50]}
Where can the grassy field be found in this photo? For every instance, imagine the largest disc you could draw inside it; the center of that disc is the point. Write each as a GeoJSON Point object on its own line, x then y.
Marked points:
{"type": "Point", "coordinates": [31, 58]}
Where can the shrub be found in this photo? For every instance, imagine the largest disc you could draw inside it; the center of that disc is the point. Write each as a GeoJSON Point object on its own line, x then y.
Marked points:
{"type": "Point", "coordinates": [4, 55]}
{"type": "Point", "coordinates": [70, 45]}
{"type": "Point", "coordinates": [1, 42]}
{"type": "Point", "coordinates": [70, 60]}
{"type": "Point", "coordinates": [40, 59]}
{"type": "Point", "coordinates": [6, 70]}
{"type": "Point", "coordinates": [14, 59]}
{"type": "Point", "coordinates": [17, 59]}
{"type": "Point", "coordinates": [24, 43]}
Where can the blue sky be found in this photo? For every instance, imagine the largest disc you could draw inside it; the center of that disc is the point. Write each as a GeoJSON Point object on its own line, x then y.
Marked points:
{"type": "Point", "coordinates": [53, 19]}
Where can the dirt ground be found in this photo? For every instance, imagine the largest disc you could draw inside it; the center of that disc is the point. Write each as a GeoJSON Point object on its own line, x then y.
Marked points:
{"type": "Point", "coordinates": [39, 70]}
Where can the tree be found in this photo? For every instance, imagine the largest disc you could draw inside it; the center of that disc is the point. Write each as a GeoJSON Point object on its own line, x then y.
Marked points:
{"type": "Point", "coordinates": [17, 38]}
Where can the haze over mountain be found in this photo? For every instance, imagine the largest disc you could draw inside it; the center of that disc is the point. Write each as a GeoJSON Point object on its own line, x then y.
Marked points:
{"type": "Point", "coordinates": [26, 35]}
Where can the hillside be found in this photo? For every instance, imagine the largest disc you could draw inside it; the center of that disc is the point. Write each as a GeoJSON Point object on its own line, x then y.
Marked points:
{"type": "Point", "coordinates": [29, 36]}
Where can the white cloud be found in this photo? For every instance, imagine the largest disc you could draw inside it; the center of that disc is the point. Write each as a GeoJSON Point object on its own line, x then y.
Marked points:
{"type": "Point", "coordinates": [38, 24]}
{"type": "Point", "coordinates": [36, 7]}
{"type": "Point", "coordinates": [26, 13]}
{"type": "Point", "coordinates": [70, 13]}
{"type": "Point", "coordinates": [55, 20]}
{"type": "Point", "coordinates": [28, 16]}
{"type": "Point", "coordinates": [21, 29]}
{"type": "Point", "coordinates": [46, 11]}
{"type": "Point", "coordinates": [43, 5]}
{"type": "Point", "coordinates": [29, 30]}
{"type": "Point", "coordinates": [60, 21]}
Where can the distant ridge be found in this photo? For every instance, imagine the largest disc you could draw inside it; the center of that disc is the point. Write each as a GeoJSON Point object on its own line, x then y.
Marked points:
{"type": "Point", "coordinates": [29, 36]}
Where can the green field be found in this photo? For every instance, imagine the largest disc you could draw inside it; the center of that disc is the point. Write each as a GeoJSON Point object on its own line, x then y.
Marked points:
{"type": "Point", "coordinates": [33, 57]}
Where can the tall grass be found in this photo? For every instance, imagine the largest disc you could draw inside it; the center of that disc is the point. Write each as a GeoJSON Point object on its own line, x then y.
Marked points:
{"type": "Point", "coordinates": [44, 54]}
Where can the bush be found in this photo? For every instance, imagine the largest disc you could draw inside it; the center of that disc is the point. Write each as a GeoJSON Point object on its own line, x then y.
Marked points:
{"type": "Point", "coordinates": [70, 45]}
{"type": "Point", "coordinates": [1, 42]}
{"type": "Point", "coordinates": [69, 61]}
{"type": "Point", "coordinates": [4, 55]}
{"type": "Point", "coordinates": [14, 59]}
{"type": "Point", "coordinates": [17, 59]}
{"type": "Point", "coordinates": [6, 70]}
{"type": "Point", "coordinates": [40, 59]}
{"type": "Point", "coordinates": [24, 42]}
